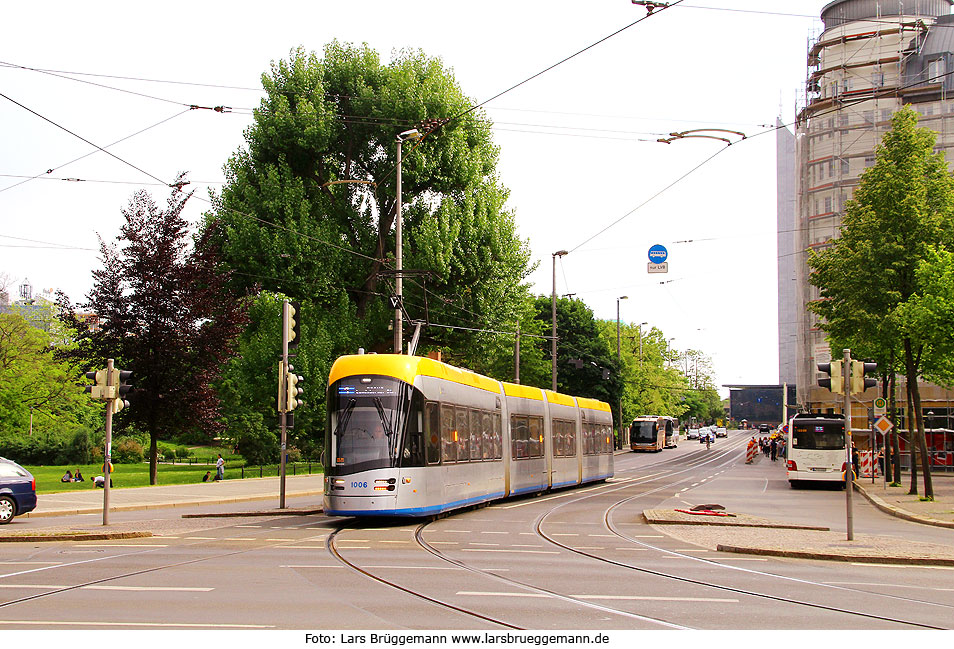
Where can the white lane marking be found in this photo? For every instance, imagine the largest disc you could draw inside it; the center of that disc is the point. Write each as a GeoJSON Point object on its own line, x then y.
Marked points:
{"type": "Point", "coordinates": [186, 589]}
{"type": "Point", "coordinates": [122, 545]}
{"type": "Point", "coordinates": [403, 542]}
{"type": "Point", "coordinates": [474, 593]}
{"type": "Point", "coordinates": [516, 551]}
{"type": "Point", "coordinates": [495, 545]}
{"type": "Point", "coordinates": [741, 559]}
{"type": "Point", "coordinates": [23, 563]}
{"type": "Point", "coordinates": [306, 565]}
{"type": "Point", "coordinates": [526, 545]}
{"type": "Point", "coordinates": [456, 531]}
{"type": "Point", "coordinates": [495, 532]}
{"type": "Point", "coordinates": [882, 584]}
{"type": "Point", "coordinates": [201, 538]}
{"type": "Point", "coordinates": [321, 547]}
{"type": "Point", "coordinates": [634, 549]}
{"type": "Point", "coordinates": [240, 538]}
{"type": "Point", "coordinates": [443, 542]}
{"type": "Point", "coordinates": [605, 536]}
{"type": "Point", "coordinates": [648, 536]}
{"type": "Point", "coordinates": [899, 565]}
{"type": "Point", "coordinates": [171, 625]}
{"type": "Point", "coordinates": [250, 526]}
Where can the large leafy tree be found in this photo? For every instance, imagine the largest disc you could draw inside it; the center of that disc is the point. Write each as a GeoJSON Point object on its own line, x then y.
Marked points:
{"type": "Point", "coordinates": [309, 207]}
{"type": "Point", "coordinates": [166, 313]}
{"type": "Point", "coordinates": [901, 211]}
{"type": "Point", "coordinates": [33, 382]}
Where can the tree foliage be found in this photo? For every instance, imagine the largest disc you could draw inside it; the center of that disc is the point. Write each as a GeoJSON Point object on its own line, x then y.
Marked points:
{"type": "Point", "coordinates": [309, 206]}
{"type": "Point", "coordinates": [167, 314]}
{"type": "Point", "coordinates": [901, 211]}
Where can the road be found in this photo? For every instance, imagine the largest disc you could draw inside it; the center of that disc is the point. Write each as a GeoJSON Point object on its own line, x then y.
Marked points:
{"type": "Point", "coordinates": [581, 559]}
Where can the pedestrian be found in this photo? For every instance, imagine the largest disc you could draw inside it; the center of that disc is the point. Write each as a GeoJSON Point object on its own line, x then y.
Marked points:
{"type": "Point", "coordinates": [773, 449]}
{"type": "Point", "coordinates": [220, 468]}
{"type": "Point", "coordinates": [881, 460]}
{"type": "Point", "coordinates": [855, 460]}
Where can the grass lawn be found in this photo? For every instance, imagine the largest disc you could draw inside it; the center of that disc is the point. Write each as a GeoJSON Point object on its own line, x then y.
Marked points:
{"type": "Point", "coordinates": [137, 475]}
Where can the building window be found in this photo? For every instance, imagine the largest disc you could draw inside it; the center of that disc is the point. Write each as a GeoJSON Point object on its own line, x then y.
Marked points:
{"type": "Point", "coordinates": [885, 114]}
{"type": "Point", "coordinates": [935, 71]}
{"type": "Point", "coordinates": [827, 204]}
{"type": "Point", "coordinates": [869, 161]}
{"type": "Point", "coordinates": [845, 167]}
{"type": "Point", "coordinates": [869, 117]}
{"type": "Point", "coordinates": [877, 79]}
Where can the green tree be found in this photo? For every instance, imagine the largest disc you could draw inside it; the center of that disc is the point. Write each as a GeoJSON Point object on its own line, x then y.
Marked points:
{"type": "Point", "coordinates": [166, 314]}
{"type": "Point", "coordinates": [900, 211]}
{"type": "Point", "coordinates": [309, 207]}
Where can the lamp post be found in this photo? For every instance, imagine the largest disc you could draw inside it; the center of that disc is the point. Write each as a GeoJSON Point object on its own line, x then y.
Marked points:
{"type": "Point", "coordinates": [553, 348]}
{"type": "Point", "coordinates": [412, 134]}
{"type": "Point", "coordinates": [640, 332]}
{"type": "Point", "coordinates": [669, 349]}
{"type": "Point", "coordinates": [619, 363]}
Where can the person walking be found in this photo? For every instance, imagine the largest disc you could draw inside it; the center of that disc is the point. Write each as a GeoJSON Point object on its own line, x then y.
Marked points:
{"type": "Point", "coordinates": [773, 449]}
{"type": "Point", "coordinates": [220, 468]}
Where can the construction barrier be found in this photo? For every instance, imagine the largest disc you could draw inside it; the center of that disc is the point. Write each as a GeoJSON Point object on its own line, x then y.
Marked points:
{"type": "Point", "coordinates": [867, 464]}
{"type": "Point", "coordinates": [751, 452]}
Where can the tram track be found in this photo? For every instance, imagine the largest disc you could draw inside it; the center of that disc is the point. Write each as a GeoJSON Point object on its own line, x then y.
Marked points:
{"type": "Point", "coordinates": [611, 527]}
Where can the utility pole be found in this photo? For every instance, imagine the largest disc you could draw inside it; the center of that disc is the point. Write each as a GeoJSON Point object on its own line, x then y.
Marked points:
{"type": "Point", "coordinates": [107, 456]}
{"type": "Point", "coordinates": [849, 482]}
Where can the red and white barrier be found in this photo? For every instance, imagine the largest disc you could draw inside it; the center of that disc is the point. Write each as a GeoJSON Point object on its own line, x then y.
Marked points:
{"type": "Point", "coordinates": [751, 452]}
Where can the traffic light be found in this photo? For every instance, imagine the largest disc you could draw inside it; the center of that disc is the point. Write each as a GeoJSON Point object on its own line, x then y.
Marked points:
{"type": "Point", "coordinates": [858, 381]}
{"type": "Point", "coordinates": [836, 381]}
{"type": "Point", "coordinates": [292, 324]}
{"type": "Point", "coordinates": [98, 390]}
{"type": "Point", "coordinates": [292, 391]}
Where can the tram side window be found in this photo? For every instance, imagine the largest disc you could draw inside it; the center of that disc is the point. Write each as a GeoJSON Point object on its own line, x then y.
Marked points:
{"type": "Point", "coordinates": [587, 439]}
{"type": "Point", "coordinates": [535, 444]}
{"type": "Point", "coordinates": [607, 440]}
{"type": "Point", "coordinates": [463, 435]}
{"type": "Point", "coordinates": [498, 440]}
{"type": "Point", "coordinates": [486, 436]}
{"type": "Point", "coordinates": [520, 433]}
{"type": "Point", "coordinates": [448, 435]}
{"type": "Point", "coordinates": [571, 438]}
{"type": "Point", "coordinates": [475, 436]}
{"type": "Point", "coordinates": [556, 431]}
{"type": "Point", "coordinates": [432, 431]}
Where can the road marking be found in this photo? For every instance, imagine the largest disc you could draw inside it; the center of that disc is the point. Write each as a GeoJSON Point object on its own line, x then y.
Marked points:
{"type": "Point", "coordinates": [634, 549]}
{"type": "Point", "coordinates": [306, 565]}
{"type": "Point", "coordinates": [404, 542]}
{"type": "Point", "coordinates": [882, 584]}
{"type": "Point", "coordinates": [171, 625]}
{"type": "Point", "coordinates": [240, 538]}
{"type": "Point", "coordinates": [495, 532]}
{"type": "Point", "coordinates": [588, 547]}
{"type": "Point", "coordinates": [321, 547]}
{"type": "Point", "coordinates": [565, 534]}
{"type": "Point", "coordinates": [456, 531]}
{"type": "Point", "coordinates": [23, 563]}
{"type": "Point", "coordinates": [100, 587]}
{"type": "Point", "coordinates": [741, 559]}
{"type": "Point", "coordinates": [122, 545]}
{"type": "Point", "coordinates": [516, 551]}
{"type": "Point", "coordinates": [899, 565]}
{"type": "Point", "coordinates": [201, 538]}
{"type": "Point", "coordinates": [443, 543]}
{"type": "Point", "coordinates": [526, 545]}
{"type": "Point", "coordinates": [250, 526]}
{"type": "Point", "coordinates": [474, 593]}
{"type": "Point", "coordinates": [496, 545]}
{"type": "Point", "coordinates": [647, 536]}
{"type": "Point", "coordinates": [605, 536]}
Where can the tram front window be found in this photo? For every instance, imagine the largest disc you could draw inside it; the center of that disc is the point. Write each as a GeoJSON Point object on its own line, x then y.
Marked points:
{"type": "Point", "coordinates": [643, 432]}
{"type": "Point", "coordinates": [366, 423]}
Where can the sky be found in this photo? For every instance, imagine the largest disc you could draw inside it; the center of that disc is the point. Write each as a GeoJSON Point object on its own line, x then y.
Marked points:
{"type": "Point", "coordinates": [578, 143]}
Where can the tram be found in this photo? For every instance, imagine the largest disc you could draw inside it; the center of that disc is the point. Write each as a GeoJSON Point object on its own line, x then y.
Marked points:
{"type": "Point", "coordinates": [653, 433]}
{"type": "Point", "coordinates": [412, 436]}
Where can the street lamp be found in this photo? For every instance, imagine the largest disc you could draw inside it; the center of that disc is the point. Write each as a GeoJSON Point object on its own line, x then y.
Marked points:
{"type": "Point", "coordinates": [669, 349]}
{"type": "Point", "coordinates": [412, 134]}
{"type": "Point", "coordinates": [553, 349]}
{"type": "Point", "coordinates": [619, 363]}
{"type": "Point", "coordinates": [640, 332]}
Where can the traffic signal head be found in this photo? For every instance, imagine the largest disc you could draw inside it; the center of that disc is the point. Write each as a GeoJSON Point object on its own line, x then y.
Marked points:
{"type": "Point", "coordinates": [858, 381]}
{"type": "Point", "coordinates": [99, 390]}
{"type": "Point", "coordinates": [292, 324]}
{"type": "Point", "coordinates": [292, 391]}
{"type": "Point", "coordinates": [836, 381]}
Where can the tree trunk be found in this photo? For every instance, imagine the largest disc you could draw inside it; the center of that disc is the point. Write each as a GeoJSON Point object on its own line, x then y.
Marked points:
{"type": "Point", "coordinates": [153, 459]}
{"type": "Point", "coordinates": [921, 438]}
{"type": "Point", "coordinates": [913, 490]}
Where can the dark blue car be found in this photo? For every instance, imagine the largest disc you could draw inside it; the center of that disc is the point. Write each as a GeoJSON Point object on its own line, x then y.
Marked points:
{"type": "Point", "coordinates": [17, 490]}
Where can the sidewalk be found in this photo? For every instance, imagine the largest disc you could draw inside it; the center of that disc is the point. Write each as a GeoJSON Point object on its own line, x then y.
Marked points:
{"type": "Point", "coordinates": [897, 502]}
{"type": "Point", "coordinates": [181, 495]}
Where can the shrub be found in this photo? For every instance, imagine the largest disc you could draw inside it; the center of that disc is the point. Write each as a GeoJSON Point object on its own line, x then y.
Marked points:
{"type": "Point", "coordinates": [128, 451]}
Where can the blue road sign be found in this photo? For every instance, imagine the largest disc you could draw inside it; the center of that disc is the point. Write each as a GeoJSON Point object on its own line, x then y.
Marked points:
{"type": "Point", "coordinates": [658, 254]}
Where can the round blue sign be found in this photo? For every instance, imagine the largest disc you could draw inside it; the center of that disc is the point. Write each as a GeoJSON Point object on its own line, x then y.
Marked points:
{"type": "Point", "coordinates": [658, 254]}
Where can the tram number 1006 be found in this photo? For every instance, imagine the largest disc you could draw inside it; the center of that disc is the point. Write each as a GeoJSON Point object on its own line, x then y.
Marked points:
{"type": "Point", "coordinates": [359, 485]}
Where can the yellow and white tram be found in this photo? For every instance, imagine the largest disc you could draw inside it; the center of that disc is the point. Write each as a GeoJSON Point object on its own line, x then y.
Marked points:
{"type": "Point", "coordinates": [411, 436]}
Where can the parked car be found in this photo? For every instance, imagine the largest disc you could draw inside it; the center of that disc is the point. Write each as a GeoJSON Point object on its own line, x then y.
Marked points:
{"type": "Point", "coordinates": [721, 432]}
{"type": "Point", "coordinates": [17, 490]}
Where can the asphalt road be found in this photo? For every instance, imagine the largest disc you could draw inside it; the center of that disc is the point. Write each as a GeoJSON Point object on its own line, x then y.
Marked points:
{"type": "Point", "coordinates": [581, 559]}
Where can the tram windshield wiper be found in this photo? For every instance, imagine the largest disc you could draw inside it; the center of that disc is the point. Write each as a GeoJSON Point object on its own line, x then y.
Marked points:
{"type": "Point", "coordinates": [345, 418]}
{"type": "Point", "coordinates": [388, 428]}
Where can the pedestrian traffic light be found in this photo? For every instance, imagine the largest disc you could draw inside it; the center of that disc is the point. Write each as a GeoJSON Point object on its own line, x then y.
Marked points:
{"type": "Point", "coordinates": [292, 325]}
{"type": "Point", "coordinates": [858, 381]}
{"type": "Point", "coordinates": [292, 391]}
{"type": "Point", "coordinates": [835, 382]}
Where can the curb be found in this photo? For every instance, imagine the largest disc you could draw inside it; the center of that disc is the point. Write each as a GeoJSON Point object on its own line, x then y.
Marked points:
{"type": "Point", "coordinates": [658, 517]}
{"type": "Point", "coordinates": [898, 512]}
{"type": "Point", "coordinates": [270, 512]}
{"type": "Point", "coordinates": [164, 505]}
{"type": "Point", "coordinates": [78, 536]}
{"type": "Point", "coordinates": [799, 554]}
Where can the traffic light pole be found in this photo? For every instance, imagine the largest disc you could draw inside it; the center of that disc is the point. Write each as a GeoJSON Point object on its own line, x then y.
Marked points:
{"type": "Point", "coordinates": [849, 482]}
{"type": "Point", "coordinates": [107, 455]}
{"type": "Point", "coordinates": [282, 415]}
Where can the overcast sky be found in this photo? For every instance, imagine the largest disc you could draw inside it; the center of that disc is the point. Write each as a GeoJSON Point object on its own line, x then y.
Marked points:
{"type": "Point", "coordinates": [577, 144]}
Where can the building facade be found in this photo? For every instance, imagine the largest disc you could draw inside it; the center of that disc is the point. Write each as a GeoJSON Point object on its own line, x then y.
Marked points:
{"type": "Point", "coordinates": [872, 57]}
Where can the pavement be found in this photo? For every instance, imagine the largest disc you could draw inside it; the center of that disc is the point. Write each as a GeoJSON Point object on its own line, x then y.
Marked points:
{"type": "Point", "coordinates": [203, 504]}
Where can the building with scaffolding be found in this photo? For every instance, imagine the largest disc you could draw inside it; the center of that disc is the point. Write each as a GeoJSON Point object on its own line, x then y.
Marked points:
{"type": "Point", "coordinates": [871, 57]}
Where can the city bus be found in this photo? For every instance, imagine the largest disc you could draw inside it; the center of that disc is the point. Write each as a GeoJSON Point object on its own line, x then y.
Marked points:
{"type": "Point", "coordinates": [815, 449]}
{"type": "Point", "coordinates": [653, 433]}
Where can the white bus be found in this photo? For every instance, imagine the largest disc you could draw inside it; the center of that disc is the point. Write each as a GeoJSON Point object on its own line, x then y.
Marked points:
{"type": "Point", "coordinates": [653, 433]}
{"type": "Point", "coordinates": [815, 449]}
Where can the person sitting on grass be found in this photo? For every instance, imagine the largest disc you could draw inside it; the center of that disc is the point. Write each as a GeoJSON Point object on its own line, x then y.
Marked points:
{"type": "Point", "coordinates": [78, 477]}
{"type": "Point", "coordinates": [205, 478]}
{"type": "Point", "coordinates": [67, 477]}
